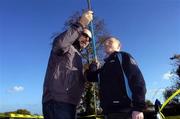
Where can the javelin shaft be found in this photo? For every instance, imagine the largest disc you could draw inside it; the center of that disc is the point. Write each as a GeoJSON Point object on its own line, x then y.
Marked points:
{"type": "Point", "coordinates": [92, 31]}
{"type": "Point", "coordinates": [94, 52]}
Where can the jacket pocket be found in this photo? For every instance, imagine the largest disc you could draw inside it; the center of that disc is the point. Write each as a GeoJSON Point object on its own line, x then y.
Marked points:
{"type": "Point", "coordinates": [59, 82]}
{"type": "Point", "coordinates": [72, 79]}
{"type": "Point", "coordinates": [65, 80]}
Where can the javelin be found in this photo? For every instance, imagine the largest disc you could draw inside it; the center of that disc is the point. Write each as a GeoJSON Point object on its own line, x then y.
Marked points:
{"type": "Point", "coordinates": [92, 31]}
{"type": "Point", "coordinates": [94, 52]}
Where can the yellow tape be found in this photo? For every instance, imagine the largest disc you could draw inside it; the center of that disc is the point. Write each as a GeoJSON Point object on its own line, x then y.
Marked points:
{"type": "Point", "coordinates": [173, 117]}
{"type": "Point", "coordinates": [161, 115]}
{"type": "Point", "coordinates": [21, 116]}
{"type": "Point", "coordinates": [169, 99]}
{"type": "Point", "coordinates": [166, 102]}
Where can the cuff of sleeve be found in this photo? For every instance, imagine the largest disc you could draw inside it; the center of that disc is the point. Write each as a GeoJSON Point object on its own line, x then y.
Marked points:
{"type": "Point", "coordinates": [139, 108]}
{"type": "Point", "coordinates": [79, 27]}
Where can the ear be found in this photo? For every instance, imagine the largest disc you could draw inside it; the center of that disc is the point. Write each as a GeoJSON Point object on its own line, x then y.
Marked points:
{"type": "Point", "coordinates": [118, 48]}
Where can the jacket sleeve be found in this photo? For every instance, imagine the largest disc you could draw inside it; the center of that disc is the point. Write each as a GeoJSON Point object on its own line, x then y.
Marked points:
{"type": "Point", "coordinates": [136, 83]}
{"type": "Point", "coordinates": [62, 42]}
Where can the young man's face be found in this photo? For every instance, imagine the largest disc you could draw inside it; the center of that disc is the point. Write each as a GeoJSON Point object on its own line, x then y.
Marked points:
{"type": "Point", "coordinates": [84, 40]}
{"type": "Point", "coordinates": [111, 46]}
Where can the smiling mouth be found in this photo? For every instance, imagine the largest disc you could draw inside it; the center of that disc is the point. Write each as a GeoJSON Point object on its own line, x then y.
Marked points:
{"type": "Point", "coordinates": [83, 43]}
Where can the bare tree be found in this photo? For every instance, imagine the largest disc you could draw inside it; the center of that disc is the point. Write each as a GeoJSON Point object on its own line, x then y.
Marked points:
{"type": "Point", "coordinates": [176, 80]}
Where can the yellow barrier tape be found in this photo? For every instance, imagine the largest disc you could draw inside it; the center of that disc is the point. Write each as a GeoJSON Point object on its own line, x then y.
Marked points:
{"type": "Point", "coordinates": [166, 102]}
{"type": "Point", "coordinates": [161, 115]}
{"type": "Point", "coordinates": [21, 116]}
{"type": "Point", "coordinates": [173, 117]}
{"type": "Point", "coordinates": [169, 99]}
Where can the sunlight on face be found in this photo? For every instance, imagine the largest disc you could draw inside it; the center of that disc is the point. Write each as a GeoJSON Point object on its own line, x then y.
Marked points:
{"type": "Point", "coordinates": [85, 38]}
{"type": "Point", "coordinates": [111, 45]}
{"type": "Point", "coordinates": [84, 41]}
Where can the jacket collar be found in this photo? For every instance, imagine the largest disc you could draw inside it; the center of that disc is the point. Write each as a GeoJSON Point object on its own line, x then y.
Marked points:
{"type": "Point", "coordinates": [111, 56]}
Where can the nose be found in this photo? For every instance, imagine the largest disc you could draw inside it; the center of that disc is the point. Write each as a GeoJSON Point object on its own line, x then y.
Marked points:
{"type": "Point", "coordinates": [87, 39]}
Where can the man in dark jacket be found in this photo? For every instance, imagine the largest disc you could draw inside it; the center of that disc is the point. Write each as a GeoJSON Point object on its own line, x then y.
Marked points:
{"type": "Point", "coordinates": [114, 99]}
{"type": "Point", "coordinates": [64, 81]}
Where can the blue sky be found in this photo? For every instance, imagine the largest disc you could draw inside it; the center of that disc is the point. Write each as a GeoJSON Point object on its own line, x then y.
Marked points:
{"type": "Point", "coordinates": [149, 30]}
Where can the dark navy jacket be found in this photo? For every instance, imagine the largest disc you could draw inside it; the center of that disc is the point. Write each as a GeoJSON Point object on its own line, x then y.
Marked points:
{"type": "Point", "coordinates": [113, 96]}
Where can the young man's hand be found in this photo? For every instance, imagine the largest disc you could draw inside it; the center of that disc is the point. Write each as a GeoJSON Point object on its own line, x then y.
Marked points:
{"type": "Point", "coordinates": [86, 18]}
{"type": "Point", "coordinates": [137, 115]}
{"type": "Point", "coordinates": [94, 66]}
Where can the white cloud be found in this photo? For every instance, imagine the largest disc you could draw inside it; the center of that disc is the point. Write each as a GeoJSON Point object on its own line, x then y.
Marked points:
{"type": "Point", "coordinates": [168, 75]}
{"type": "Point", "coordinates": [16, 89]}
{"type": "Point", "coordinates": [153, 94]}
{"type": "Point", "coordinates": [156, 90]}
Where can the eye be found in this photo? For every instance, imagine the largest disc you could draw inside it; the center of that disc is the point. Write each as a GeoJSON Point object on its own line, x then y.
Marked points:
{"type": "Point", "coordinates": [85, 35]}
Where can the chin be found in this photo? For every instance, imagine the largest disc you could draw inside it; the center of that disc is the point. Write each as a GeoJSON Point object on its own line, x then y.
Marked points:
{"type": "Point", "coordinates": [83, 46]}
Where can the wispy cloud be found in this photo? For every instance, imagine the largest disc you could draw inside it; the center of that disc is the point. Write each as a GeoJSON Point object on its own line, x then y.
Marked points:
{"type": "Point", "coordinates": [168, 75]}
{"type": "Point", "coordinates": [156, 90]}
{"type": "Point", "coordinates": [154, 93]}
{"type": "Point", "coordinates": [16, 89]}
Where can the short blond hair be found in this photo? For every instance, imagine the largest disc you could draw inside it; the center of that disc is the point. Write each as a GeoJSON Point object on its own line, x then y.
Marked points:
{"type": "Point", "coordinates": [114, 40]}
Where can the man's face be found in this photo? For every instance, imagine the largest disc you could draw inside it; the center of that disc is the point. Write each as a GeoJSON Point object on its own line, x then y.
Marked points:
{"type": "Point", "coordinates": [84, 40]}
{"type": "Point", "coordinates": [110, 46]}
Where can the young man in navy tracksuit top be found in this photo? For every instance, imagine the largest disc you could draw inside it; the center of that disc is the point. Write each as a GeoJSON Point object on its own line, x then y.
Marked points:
{"type": "Point", "coordinates": [114, 99]}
